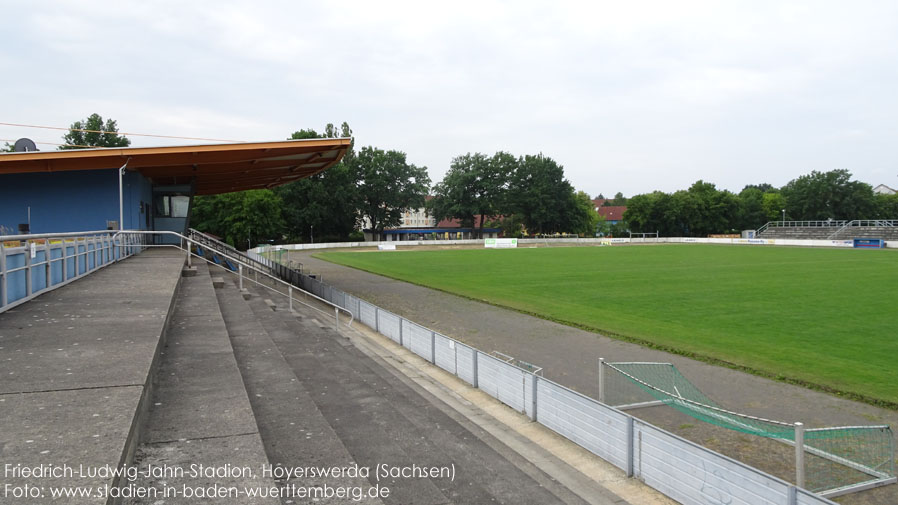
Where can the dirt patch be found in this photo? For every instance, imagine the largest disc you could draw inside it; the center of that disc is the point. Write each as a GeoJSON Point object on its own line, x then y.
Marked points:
{"type": "Point", "coordinates": [570, 356]}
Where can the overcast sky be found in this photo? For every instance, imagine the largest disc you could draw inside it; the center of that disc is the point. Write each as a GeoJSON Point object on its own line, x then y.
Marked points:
{"type": "Point", "coordinates": [627, 96]}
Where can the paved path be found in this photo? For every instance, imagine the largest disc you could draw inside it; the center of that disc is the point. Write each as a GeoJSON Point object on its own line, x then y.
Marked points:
{"type": "Point", "coordinates": [569, 356]}
{"type": "Point", "coordinates": [76, 363]}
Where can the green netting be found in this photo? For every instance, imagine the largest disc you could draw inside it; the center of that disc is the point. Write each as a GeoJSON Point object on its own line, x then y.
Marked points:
{"type": "Point", "coordinates": [665, 383]}
{"type": "Point", "coordinates": [834, 457]}
{"type": "Point", "coordinates": [844, 456]}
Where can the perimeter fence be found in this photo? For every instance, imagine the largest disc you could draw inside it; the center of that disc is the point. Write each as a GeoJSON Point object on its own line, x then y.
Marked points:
{"type": "Point", "coordinates": [678, 468]}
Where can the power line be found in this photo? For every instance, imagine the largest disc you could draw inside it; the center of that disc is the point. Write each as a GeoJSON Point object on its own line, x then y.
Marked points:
{"type": "Point", "coordinates": [117, 133]}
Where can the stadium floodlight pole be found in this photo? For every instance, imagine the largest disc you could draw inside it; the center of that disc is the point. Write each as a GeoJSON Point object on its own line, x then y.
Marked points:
{"type": "Point", "coordinates": [121, 200]}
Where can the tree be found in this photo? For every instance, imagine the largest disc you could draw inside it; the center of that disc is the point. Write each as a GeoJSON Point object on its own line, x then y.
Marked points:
{"type": "Point", "coordinates": [772, 205]}
{"type": "Point", "coordinates": [618, 200]}
{"type": "Point", "coordinates": [474, 185]}
{"type": "Point", "coordinates": [886, 206]}
{"type": "Point", "coordinates": [751, 208]}
{"type": "Point", "coordinates": [95, 133]}
{"type": "Point", "coordinates": [243, 219]}
{"type": "Point", "coordinates": [583, 218]}
{"type": "Point", "coordinates": [388, 186]}
{"type": "Point", "coordinates": [828, 195]}
{"type": "Point", "coordinates": [323, 205]}
{"type": "Point", "coordinates": [540, 194]}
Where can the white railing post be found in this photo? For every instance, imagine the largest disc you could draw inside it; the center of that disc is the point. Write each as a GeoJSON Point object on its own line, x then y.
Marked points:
{"type": "Point", "coordinates": [239, 273]}
{"type": "Point", "coordinates": [475, 382]}
{"type": "Point", "coordinates": [28, 286]}
{"type": "Point", "coordinates": [337, 318]}
{"type": "Point", "coordinates": [799, 455]}
{"type": "Point", "coordinates": [631, 447]}
{"type": "Point", "coordinates": [3, 282]}
{"type": "Point", "coordinates": [602, 380]}
{"type": "Point", "coordinates": [188, 254]}
{"type": "Point", "coordinates": [290, 296]}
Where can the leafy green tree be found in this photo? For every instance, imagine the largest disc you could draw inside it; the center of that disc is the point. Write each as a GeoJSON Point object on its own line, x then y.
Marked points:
{"type": "Point", "coordinates": [512, 226]}
{"type": "Point", "coordinates": [652, 212]}
{"type": "Point", "coordinates": [886, 206]}
{"type": "Point", "coordinates": [825, 195]}
{"type": "Point", "coordinates": [243, 219]}
{"type": "Point", "coordinates": [96, 134]}
{"type": "Point", "coordinates": [474, 185]}
{"type": "Point", "coordinates": [751, 208]}
{"type": "Point", "coordinates": [618, 200]}
{"type": "Point", "coordinates": [583, 218]}
{"type": "Point", "coordinates": [540, 195]}
{"type": "Point", "coordinates": [388, 186]}
{"type": "Point", "coordinates": [772, 205]}
{"type": "Point", "coordinates": [323, 206]}
{"type": "Point", "coordinates": [7, 147]}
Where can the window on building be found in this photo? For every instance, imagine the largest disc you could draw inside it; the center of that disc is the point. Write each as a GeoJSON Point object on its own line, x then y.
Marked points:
{"type": "Point", "coordinates": [172, 205]}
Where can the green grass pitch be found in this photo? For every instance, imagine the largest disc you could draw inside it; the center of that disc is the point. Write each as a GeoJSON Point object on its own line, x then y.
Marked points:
{"type": "Point", "coordinates": [827, 317]}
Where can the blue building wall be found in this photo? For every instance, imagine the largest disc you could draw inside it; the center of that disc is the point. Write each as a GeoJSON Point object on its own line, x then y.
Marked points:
{"type": "Point", "coordinates": [80, 200]}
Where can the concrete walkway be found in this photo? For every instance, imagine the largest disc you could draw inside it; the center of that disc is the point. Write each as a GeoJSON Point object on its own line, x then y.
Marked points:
{"type": "Point", "coordinates": [76, 369]}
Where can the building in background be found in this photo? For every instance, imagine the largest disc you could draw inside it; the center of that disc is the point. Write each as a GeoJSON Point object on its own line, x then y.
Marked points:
{"type": "Point", "coordinates": [882, 189]}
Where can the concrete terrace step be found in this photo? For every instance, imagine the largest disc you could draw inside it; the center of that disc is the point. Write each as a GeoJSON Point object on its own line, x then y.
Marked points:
{"type": "Point", "coordinates": [294, 432]}
{"type": "Point", "coordinates": [200, 414]}
{"type": "Point", "coordinates": [77, 371]}
{"type": "Point", "coordinates": [383, 420]}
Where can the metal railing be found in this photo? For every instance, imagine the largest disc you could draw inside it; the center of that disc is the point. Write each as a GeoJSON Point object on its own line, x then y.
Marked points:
{"type": "Point", "coordinates": [827, 223]}
{"type": "Point", "coordinates": [31, 265]}
{"type": "Point", "coordinates": [284, 272]}
{"type": "Point", "coordinates": [244, 265]}
{"type": "Point", "coordinates": [857, 223]}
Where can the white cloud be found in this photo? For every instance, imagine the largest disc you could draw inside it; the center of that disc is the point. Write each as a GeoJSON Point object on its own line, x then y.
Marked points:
{"type": "Point", "coordinates": [629, 96]}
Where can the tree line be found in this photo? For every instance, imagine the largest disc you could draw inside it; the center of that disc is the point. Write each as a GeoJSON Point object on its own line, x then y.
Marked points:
{"type": "Point", "coordinates": [515, 193]}
{"type": "Point", "coordinates": [703, 209]}
{"type": "Point", "coordinates": [519, 194]}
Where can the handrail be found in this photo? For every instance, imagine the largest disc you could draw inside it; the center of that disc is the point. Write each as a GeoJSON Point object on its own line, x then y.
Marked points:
{"type": "Point", "coordinates": [879, 223]}
{"type": "Point", "coordinates": [241, 265]}
{"type": "Point", "coordinates": [46, 265]}
{"type": "Point", "coordinates": [200, 237]}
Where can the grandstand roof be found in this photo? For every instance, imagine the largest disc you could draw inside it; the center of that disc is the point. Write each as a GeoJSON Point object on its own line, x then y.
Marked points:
{"type": "Point", "coordinates": [215, 168]}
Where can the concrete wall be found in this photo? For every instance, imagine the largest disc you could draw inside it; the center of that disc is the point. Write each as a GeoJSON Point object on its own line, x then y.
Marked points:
{"type": "Point", "coordinates": [81, 200]}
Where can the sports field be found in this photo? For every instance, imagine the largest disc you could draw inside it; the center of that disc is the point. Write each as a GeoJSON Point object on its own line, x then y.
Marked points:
{"type": "Point", "coordinates": [823, 316]}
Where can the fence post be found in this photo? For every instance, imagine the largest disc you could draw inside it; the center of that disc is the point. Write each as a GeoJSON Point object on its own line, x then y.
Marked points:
{"type": "Point", "coordinates": [240, 274]}
{"type": "Point", "coordinates": [533, 412]}
{"type": "Point", "coordinates": [793, 495]}
{"type": "Point", "coordinates": [433, 347]}
{"type": "Point", "coordinates": [376, 320]}
{"type": "Point", "coordinates": [28, 286]}
{"type": "Point", "coordinates": [474, 366]}
{"type": "Point", "coordinates": [49, 271]}
{"type": "Point", "coordinates": [337, 319]}
{"type": "Point", "coordinates": [3, 282]}
{"type": "Point", "coordinates": [188, 253]}
{"type": "Point", "coordinates": [631, 446]}
{"type": "Point", "coordinates": [401, 319]}
{"type": "Point", "coordinates": [799, 455]}
{"type": "Point", "coordinates": [602, 380]}
{"type": "Point", "coordinates": [290, 295]}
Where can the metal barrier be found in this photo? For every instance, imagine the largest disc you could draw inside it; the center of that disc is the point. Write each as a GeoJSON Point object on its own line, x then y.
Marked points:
{"type": "Point", "coordinates": [680, 469]}
{"type": "Point", "coordinates": [31, 265]}
{"type": "Point", "coordinates": [186, 244]}
{"type": "Point", "coordinates": [873, 223]}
